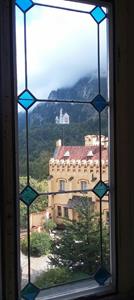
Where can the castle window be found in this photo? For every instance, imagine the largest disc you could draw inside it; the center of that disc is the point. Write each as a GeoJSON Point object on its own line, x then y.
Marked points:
{"type": "Point", "coordinates": [93, 178]}
{"type": "Point", "coordinates": [61, 185]}
{"type": "Point", "coordinates": [66, 212]}
{"type": "Point", "coordinates": [84, 185]}
{"type": "Point", "coordinates": [59, 211]}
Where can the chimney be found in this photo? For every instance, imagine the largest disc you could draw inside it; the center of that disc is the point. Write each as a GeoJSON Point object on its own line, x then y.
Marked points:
{"type": "Point", "coordinates": [58, 143]}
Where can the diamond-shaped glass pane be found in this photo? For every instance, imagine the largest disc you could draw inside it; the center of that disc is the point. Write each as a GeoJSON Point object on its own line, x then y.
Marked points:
{"type": "Point", "coordinates": [98, 14]}
{"type": "Point", "coordinates": [100, 189]}
{"type": "Point", "coordinates": [99, 103]}
{"type": "Point", "coordinates": [29, 292]}
{"type": "Point", "coordinates": [28, 195]}
{"type": "Point", "coordinates": [102, 275]}
{"type": "Point", "coordinates": [26, 99]}
{"type": "Point", "coordinates": [24, 4]}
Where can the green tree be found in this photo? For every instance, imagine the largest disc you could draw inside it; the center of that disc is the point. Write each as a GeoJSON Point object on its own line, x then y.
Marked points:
{"type": "Point", "coordinates": [40, 203]}
{"type": "Point", "coordinates": [40, 244]}
{"type": "Point", "coordinates": [79, 246]}
{"type": "Point", "coordinates": [49, 225]}
{"type": "Point", "coordinates": [23, 215]}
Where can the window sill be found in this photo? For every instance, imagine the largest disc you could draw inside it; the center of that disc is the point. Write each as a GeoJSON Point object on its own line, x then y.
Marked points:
{"type": "Point", "coordinates": [74, 291]}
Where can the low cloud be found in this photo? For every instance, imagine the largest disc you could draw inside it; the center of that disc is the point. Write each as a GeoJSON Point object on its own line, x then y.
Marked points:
{"type": "Point", "coordinates": [61, 49]}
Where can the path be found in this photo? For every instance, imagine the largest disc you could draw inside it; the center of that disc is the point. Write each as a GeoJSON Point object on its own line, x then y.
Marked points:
{"type": "Point", "coordinates": [38, 265]}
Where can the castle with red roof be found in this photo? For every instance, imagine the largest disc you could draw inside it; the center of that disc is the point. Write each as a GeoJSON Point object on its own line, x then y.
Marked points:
{"type": "Point", "coordinates": [73, 173]}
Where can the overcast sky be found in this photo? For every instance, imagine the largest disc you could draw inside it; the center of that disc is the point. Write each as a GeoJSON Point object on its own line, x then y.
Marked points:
{"type": "Point", "coordinates": [61, 49]}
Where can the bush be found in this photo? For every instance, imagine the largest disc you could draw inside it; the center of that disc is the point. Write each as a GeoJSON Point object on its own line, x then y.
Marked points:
{"type": "Point", "coordinates": [53, 277]}
{"type": "Point", "coordinates": [58, 275]}
{"type": "Point", "coordinates": [40, 244]}
{"type": "Point", "coordinates": [49, 225]}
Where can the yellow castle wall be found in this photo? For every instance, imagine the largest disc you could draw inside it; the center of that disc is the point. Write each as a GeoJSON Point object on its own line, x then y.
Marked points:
{"type": "Point", "coordinates": [73, 173]}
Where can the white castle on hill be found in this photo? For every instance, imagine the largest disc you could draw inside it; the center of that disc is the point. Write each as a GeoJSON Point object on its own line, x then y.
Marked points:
{"type": "Point", "coordinates": [63, 118]}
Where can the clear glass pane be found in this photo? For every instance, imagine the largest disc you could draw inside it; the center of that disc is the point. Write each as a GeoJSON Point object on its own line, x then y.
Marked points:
{"type": "Point", "coordinates": [67, 4]}
{"type": "Point", "coordinates": [62, 48]}
{"type": "Point", "coordinates": [104, 58]}
{"type": "Point", "coordinates": [23, 237]}
{"type": "Point", "coordinates": [20, 51]}
{"type": "Point", "coordinates": [50, 122]}
{"type": "Point", "coordinates": [22, 144]}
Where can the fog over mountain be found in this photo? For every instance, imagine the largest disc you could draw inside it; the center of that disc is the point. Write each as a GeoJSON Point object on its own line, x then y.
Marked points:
{"type": "Point", "coordinates": [85, 89]}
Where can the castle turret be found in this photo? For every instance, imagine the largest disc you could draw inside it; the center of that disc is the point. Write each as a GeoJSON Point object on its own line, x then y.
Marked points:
{"type": "Point", "coordinates": [91, 140]}
{"type": "Point", "coordinates": [58, 143]}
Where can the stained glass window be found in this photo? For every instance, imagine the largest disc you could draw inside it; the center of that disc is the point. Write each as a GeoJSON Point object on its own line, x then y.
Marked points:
{"type": "Point", "coordinates": [102, 275]}
{"type": "Point", "coordinates": [26, 99]}
{"type": "Point", "coordinates": [24, 5]}
{"type": "Point", "coordinates": [99, 103]}
{"type": "Point", "coordinates": [28, 195]}
{"type": "Point", "coordinates": [64, 122]}
{"type": "Point", "coordinates": [100, 189]}
{"type": "Point", "coordinates": [29, 292]}
{"type": "Point", "coordinates": [98, 14]}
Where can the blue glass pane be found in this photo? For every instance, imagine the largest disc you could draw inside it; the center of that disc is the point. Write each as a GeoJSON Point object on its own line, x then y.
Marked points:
{"type": "Point", "coordinates": [29, 292]}
{"type": "Point", "coordinates": [24, 4]}
{"type": "Point", "coordinates": [98, 14]}
{"type": "Point", "coordinates": [26, 99]}
{"type": "Point", "coordinates": [102, 275]}
{"type": "Point", "coordinates": [28, 195]}
{"type": "Point", "coordinates": [99, 103]}
{"type": "Point", "coordinates": [100, 189]}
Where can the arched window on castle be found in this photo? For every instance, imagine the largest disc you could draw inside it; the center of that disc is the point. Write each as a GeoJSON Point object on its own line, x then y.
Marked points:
{"type": "Point", "coordinates": [84, 185]}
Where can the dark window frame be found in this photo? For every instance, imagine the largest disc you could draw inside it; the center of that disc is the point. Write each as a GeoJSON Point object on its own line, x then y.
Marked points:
{"type": "Point", "coordinates": [123, 54]}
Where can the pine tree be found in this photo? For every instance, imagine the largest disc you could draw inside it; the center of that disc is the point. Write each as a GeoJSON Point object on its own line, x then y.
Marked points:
{"type": "Point", "coordinates": [79, 246]}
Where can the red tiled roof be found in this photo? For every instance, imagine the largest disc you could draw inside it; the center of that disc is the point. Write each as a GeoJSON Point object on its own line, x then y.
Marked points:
{"type": "Point", "coordinates": [80, 152]}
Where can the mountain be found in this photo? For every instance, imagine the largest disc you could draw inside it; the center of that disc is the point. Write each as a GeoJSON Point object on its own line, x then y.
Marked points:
{"type": "Point", "coordinates": [43, 131]}
{"type": "Point", "coordinates": [85, 89]}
